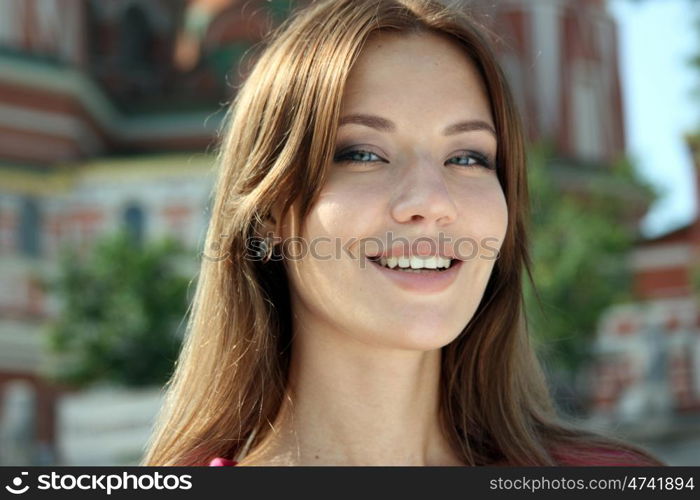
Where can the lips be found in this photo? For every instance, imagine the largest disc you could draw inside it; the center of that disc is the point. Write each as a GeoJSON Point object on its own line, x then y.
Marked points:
{"type": "Point", "coordinates": [386, 255]}
{"type": "Point", "coordinates": [423, 281]}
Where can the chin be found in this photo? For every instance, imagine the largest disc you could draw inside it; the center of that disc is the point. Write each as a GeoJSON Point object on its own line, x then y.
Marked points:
{"type": "Point", "coordinates": [422, 335]}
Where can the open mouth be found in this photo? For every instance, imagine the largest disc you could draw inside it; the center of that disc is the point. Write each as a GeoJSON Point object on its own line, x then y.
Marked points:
{"type": "Point", "coordinates": [419, 265]}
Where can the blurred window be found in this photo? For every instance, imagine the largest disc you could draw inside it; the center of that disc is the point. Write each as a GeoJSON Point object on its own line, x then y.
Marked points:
{"type": "Point", "coordinates": [134, 223]}
{"type": "Point", "coordinates": [29, 229]}
{"type": "Point", "coordinates": [93, 34]}
{"type": "Point", "coordinates": [587, 99]}
{"type": "Point", "coordinates": [136, 44]}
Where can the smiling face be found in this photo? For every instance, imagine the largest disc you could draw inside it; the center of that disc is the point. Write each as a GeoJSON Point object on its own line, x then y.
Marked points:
{"type": "Point", "coordinates": [414, 160]}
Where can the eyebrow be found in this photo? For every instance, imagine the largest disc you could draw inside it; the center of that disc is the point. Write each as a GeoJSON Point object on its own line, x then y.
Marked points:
{"type": "Point", "coordinates": [384, 125]}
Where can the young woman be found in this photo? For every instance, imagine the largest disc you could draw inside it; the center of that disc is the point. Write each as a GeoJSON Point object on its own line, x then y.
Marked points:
{"type": "Point", "coordinates": [376, 147]}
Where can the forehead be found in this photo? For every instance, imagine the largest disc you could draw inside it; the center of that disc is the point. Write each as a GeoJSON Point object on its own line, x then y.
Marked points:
{"type": "Point", "coordinates": [420, 71]}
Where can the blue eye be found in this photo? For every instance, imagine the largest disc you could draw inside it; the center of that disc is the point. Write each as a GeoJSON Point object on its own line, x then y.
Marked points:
{"type": "Point", "coordinates": [468, 159]}
{"type": "Point", "coordinates": [473, 159]}
{"type": "Point", "coordinates": [357, 156]}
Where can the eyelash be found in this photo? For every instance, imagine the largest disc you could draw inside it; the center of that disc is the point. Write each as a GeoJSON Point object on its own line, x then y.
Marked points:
{"type": "Point", "coordinates": [483, 161]}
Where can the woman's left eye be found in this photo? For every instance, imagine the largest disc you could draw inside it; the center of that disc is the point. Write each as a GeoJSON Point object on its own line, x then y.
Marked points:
{"type": "Point", "coordinates": [473, 159]}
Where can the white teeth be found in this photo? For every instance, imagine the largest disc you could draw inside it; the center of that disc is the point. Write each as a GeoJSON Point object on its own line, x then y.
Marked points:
{"type": "Point", "coordinates": [444, 262]}
{"type": "Point", "coordinates": [403, 262]}
{"type": "Point", "coordinates": [417, 262]}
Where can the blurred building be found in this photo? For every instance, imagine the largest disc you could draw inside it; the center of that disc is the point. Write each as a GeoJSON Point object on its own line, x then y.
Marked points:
{"type": "Point", "coordinates": [107, 110]}
{"type": "Point", "coordinates": [561, 60]}
{"type": "Point", "coordinates": [649, 351]}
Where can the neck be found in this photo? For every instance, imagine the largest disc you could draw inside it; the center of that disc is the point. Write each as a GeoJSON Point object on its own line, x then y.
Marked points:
{"type": "Point", "coordinates": [353, 404]}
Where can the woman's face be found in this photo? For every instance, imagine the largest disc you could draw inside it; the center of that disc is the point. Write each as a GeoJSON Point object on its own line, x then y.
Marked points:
{"type": "Point", "coordinates": [413, 174]}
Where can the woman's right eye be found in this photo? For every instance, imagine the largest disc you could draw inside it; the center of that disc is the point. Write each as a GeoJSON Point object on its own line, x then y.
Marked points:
{"type": "Point", "coordinates": [356, 156]}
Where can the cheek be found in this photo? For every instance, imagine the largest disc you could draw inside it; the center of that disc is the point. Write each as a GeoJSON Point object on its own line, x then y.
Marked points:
{"type": "Point", "coordinates": [334, 225]}
{"type": "Point", "coordinates": [483, 208]}
{"type": "Point", "coordinates": [349, 211]}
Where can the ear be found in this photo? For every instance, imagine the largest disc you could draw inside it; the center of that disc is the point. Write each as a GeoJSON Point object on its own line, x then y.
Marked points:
{"type": "Point", "coordinates": [268, 225]}
{"type": "Point", "coordinates": [271, 223]}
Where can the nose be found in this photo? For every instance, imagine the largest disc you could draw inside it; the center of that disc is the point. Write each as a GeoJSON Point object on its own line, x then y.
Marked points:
{"type": "Point", "coordinates": [424, 197]}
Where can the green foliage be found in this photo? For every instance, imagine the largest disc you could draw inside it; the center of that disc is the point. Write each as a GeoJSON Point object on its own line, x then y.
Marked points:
{"type": "Point", "coordinates": [280, 9]}
{"type": "Point", "coordinates": [225, 59]}
{"type": "Point", "coordinates": [580, 245]}
{"type": "Point", "coordinates": [121, 313]}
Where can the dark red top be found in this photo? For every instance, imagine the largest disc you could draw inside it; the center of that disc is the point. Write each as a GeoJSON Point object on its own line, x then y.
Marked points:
{"type": "Point", "coordinates": [619, 458]}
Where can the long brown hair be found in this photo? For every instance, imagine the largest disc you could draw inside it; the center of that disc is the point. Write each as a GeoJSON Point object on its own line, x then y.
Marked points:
{"type": "Point", "coordinates": [231, 375]}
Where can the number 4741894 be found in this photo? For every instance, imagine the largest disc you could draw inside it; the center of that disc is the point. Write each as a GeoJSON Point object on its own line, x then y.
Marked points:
{"type": "Point", "coordinates": [662, 483]}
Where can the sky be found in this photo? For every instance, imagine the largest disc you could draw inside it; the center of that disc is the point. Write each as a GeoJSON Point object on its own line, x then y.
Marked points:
{"type": "Point", "coordinates": [657, 37]}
